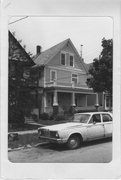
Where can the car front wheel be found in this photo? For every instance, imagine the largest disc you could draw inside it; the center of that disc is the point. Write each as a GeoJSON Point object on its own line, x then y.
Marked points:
{"type": "Point", "coordinates": [74, 142]}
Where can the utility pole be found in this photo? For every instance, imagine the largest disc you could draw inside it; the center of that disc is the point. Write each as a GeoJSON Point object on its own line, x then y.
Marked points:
{"type": "Point", "coordinates": [81, 51]}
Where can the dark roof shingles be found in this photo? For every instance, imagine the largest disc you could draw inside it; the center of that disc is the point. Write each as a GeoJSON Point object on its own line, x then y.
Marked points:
{"type": "Point", "coordinates": [46, 55]}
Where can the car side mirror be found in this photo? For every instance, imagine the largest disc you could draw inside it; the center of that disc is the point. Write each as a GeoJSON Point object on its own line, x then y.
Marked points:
{"type": "Point", "coordinates": [94, 122]}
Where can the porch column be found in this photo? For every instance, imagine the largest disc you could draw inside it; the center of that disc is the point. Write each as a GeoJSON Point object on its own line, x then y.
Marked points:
{"type": "Point", "coordinates": [55, 98]}
{"type": "Point", "coordinates": [45, 101]}
{"type": "Point", "coordinates": [55, 103]}
{"type": "Point", "coordinates": [73, 103]}
{"type": "Point", "coordinates": [86, 101]}
{"type": "Point", "coordinates": [97, 102]}
{"type": "Point", "coordinates": [73, 99]}
{"type": "Point", "coordinates": [103, 100]}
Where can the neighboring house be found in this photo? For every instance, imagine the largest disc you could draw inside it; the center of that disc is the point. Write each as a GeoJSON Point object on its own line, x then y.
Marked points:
{"type": "Point", "coordinates": [18, 75]}
{"type": "Point", "coordinates": [62, 76]}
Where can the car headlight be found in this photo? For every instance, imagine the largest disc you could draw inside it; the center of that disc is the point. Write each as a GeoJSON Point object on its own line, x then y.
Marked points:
{"type": "Point", "coordinates": [56, 135]}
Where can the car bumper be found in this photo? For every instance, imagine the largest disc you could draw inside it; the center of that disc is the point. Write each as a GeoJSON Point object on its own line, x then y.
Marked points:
{"type": "Point", "coordinates": [53, 140]}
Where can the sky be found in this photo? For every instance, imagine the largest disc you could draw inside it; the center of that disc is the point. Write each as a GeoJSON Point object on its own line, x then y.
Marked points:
{"type": "Point", "coordinates": [49, 31]}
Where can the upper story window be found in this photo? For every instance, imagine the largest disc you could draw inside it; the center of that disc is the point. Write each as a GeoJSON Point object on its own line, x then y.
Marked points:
{"type": "Point", "coordinates": [63, 58]}
{"type": "Point", "coordinates": [75, 78]}
{"type": "Point", "coordinates": [71, 60]}
{"type": "Point", "coordinates": [53, 75]}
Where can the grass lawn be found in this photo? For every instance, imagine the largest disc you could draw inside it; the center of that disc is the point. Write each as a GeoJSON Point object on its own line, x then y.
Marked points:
{"type": "Point", "coordinates": [29, 139]}
{"type": "Point", "coordinates": [24, 140]}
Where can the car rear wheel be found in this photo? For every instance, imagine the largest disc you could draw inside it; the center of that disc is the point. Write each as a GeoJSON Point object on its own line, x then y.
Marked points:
{"type": "Point", "coordinates": [74, 142]}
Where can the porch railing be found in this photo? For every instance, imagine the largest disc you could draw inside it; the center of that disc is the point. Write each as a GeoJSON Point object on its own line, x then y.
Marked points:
{"type": "Point", "coordinates": [63, 84]}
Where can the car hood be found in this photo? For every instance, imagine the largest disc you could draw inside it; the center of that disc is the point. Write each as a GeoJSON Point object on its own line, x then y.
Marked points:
{"type": "Point", "coordinates": [62, 126]}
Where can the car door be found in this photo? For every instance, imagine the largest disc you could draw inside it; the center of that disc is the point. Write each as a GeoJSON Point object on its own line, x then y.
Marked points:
{"type": "Point", "coordinates": [107, 121]}
{"type": "Point", "coordinates": [95, 128]}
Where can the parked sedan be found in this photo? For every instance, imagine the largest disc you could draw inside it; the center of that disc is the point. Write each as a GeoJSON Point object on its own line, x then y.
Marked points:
{"type": "Point", "coordinates": [83, 127]}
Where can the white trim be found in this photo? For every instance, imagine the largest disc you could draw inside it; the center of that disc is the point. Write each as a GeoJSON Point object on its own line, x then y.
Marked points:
{"type": "Point", "coordinates": [63, 52]}
{"type": "Point", "coordinates": [68, 87]}
{"type": "Point", "coordinates": [66, 68]}
{"type": "Point", "coordinates": [68, 91]}
{"type": "Point", "coordinates": [51, 75]}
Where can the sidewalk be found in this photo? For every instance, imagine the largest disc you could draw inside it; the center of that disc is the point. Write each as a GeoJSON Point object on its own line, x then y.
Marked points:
{"type": "Point", "coordinates": [27, 131]}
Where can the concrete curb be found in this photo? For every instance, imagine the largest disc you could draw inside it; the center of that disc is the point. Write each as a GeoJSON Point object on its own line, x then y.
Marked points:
{"type": "Point", "coordinates": [27, 132]}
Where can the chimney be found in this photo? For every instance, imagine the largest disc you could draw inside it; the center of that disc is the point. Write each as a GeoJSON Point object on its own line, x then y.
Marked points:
{"type": "Point", "coordinates": [38, 50]}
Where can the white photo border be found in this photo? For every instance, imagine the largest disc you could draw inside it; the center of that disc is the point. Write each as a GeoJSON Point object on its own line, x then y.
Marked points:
{"type": "Point", "coordinates": [73, 8]}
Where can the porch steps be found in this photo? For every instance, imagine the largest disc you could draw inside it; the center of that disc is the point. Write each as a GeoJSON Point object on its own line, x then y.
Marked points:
{"type": "Point", "coordinates": [29, 120]}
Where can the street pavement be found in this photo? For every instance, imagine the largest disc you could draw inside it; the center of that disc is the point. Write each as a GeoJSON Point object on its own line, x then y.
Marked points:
{"type": "Point", "coordinates": [91, 152]}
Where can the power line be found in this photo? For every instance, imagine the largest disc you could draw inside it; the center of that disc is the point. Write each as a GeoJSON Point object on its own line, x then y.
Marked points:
{"type": "Point", "coordinates": [19, 20]}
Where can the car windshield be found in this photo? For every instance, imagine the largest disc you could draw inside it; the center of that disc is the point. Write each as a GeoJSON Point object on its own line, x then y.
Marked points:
{"type": "Point", "coordinates": [82, 118]}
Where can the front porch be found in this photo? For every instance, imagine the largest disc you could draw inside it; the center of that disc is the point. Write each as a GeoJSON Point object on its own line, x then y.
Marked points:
{"type": "Point", "coordinates": [63, 101]}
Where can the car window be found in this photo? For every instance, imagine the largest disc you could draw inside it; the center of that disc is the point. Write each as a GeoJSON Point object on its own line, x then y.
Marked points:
{"type": "Point", "coordinates": [82, 118]}
{"type": "Point", "coordinates": [106, 117]}
{"type": "Point", "coordinates": [95, 119]}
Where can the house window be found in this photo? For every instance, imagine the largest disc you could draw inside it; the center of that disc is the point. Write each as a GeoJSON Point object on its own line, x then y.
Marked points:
{"type": "Point", "coordinates": [52, 75]}
{"type": "Point", "coordinates": [63, 59]}
{"type": "Point", "coordinates": [72, 60]}
{"type": "Point", "coordinates": [74, 78]}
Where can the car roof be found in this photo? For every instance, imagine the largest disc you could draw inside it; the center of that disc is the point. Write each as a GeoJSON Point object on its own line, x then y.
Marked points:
{"type": "Point", "coordinates": [95, 113]}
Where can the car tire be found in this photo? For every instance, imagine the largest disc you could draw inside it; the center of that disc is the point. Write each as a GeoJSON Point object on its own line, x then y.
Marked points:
{"type": "Point", "coordinates": [74, 142]}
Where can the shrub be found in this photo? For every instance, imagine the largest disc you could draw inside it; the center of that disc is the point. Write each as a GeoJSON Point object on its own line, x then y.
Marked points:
{"type": "Point", "coordinates": [59, 118]}
{"type": "Point", "coordinates": [85, 111]}
{"type": "Point", "coordinates": [16, 116]}
{"type": "Point", "coordinates": [44, 116]}
{"type": "Point", "coordinates": [34, 117]}
{"type": "Point", "coordinates": [51, 117]}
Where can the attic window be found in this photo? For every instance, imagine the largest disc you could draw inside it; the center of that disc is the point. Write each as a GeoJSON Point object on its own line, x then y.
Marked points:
{"type": "Point", "coordinates": [71, 60]}
{"type": "Point", "coordinates": [63, 59]}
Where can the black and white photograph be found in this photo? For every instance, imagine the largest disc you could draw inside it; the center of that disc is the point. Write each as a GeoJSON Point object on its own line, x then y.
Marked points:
{"type": "Point", "coordinates": [60, 89]}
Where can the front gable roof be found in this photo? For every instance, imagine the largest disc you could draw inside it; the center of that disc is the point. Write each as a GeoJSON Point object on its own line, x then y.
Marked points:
{"type": "Point", "coordinates": [47, 55]}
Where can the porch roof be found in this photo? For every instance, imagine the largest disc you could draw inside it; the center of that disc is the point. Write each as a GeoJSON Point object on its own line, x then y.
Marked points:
{"type": "Point", "coordinates": [67, 89]}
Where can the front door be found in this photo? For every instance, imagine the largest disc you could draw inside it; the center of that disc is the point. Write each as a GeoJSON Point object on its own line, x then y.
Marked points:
{"type": "Point", "coordinates": [95, 128]}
